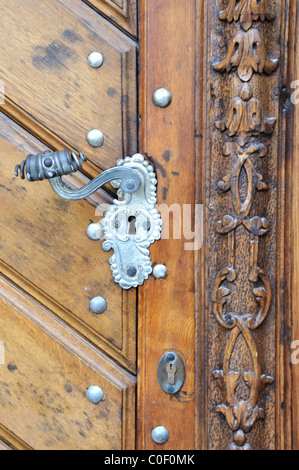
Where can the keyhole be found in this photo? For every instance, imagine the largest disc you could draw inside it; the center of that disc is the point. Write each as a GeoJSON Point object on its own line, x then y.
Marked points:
{"type": "Point", "coordinates": [147, 226]}
{"type": "Point", "coordinates": [132, 227]}
{"type": "Point", "coordinates": [171, 369]}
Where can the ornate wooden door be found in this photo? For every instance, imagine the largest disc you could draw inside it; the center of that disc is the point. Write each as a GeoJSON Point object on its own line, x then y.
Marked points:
{"type": "Point", "coordinates": [224, 148]}
{"type": "Point", "coordinates": [228, 142]}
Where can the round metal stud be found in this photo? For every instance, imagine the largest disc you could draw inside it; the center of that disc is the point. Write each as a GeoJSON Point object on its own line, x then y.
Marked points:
{"type": "Point", "coordinates": [95, 138]}
{"type": "Point", "coordinates": [160, 271]}
{"type": "Point", "coordinates": [95, 60]}
{"type": "Point", "coordinates": [95, 395]}
{"type": "Point", "coordinates": [98, 305]}
{"type": "Point", "coordinates": [130, 185]}
{"type": "Point", "coordinates": [48, 162]}
{"type": "Point", "coordinates": [94, 232]}
{"type": "Point", "coordinates": [131, 271]}
{"type": "Point", "coordinates": [170, 356]}
{"type": "Point", "coordinates": [160, 435]}
{"type": "Point", "coordinates": [162, 98]}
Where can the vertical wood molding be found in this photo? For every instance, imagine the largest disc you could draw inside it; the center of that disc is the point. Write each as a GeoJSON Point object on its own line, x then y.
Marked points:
{"type": "Point", "coordinates": [244, 166]}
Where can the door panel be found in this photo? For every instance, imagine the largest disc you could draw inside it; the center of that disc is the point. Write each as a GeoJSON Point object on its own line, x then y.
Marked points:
{"type": "Point", "coordinates": [225, 152]}
{"type": "Point", "coordinates": [121, 12]}
{"type": "Point", "coordinates": [228, 153]}
{"type": "Point", "coordinates": [55, 347]}
{"type": "Point", "coordinates": [46, 62]}
{"type": "Point", "coordinates": [44, 245]}
{"type": "Point", "coordinates": [43, 387]}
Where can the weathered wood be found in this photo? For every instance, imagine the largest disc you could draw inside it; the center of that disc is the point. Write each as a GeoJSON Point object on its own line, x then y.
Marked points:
{"type": "Point", "coordinates": [166, 307]}
{"type": "Point", "coordinates": [47, 77]}
{"type": "Point", "coordinates": [44, 249]}
{"type": "Point", "coordinates": [12, 441]}
{"type": "Point", "coordinates": [48, 370]}
{"type": "Point", "coordinates": [228, 140]}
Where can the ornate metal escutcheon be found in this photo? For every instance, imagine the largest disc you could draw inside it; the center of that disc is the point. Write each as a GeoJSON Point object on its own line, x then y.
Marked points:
{"type": "Point", "coordinates": [131, 224]}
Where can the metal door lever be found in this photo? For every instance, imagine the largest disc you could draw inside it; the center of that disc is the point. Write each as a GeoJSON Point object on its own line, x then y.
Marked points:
{"type": "Point", "coordinates": [136, 180]}
{"type": "Point", "coordinates": [53, 165]}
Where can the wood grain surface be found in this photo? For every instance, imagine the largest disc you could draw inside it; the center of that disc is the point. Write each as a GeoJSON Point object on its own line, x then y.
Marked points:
{"type": "Point", "coordinates": [45, 249]}
{"type": "Point", "coordinates": [230, 141]}
{"type": "Point", "coordinates": [48, 370]}
{"type": "Point", "coordinates": [166, 307]}
{"type": "Point", "coordinates": [121, 12]}
{"type": "Point", "coordinates": [50, 87]}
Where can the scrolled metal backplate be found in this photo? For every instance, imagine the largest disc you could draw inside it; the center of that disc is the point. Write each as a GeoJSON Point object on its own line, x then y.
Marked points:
{"type": "Point", "coordinates": [131, 225]}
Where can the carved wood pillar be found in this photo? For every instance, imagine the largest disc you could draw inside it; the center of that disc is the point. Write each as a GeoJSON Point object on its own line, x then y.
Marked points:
{"type": "Point", "coordinates": [244, 153]}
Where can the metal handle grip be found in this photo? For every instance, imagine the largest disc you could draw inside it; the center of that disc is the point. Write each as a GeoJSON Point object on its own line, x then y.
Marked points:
{"type": "Point", "coordinates": [53, 165]}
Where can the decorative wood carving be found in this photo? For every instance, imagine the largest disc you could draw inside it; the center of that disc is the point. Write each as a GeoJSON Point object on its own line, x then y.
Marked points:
{"type": "Point", "coordinates": [245, 116]}
{"type": "Point", "coordinates": [257, 225]}
{"type": "Point", "coordinates": [247, 53]}
{"type": "Point", "coordinates": [243, 220]}
{"type": "Point", "coordinates": [247, 11]}
{"type": "Point", "coordinates": [242, 415]}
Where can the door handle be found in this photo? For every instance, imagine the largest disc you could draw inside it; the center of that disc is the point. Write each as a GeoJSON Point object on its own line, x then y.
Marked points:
{"type": "Point", "coordinates": [130, 225]}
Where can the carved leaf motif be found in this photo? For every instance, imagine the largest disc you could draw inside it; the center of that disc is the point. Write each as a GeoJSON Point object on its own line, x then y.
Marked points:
{"type": "Point", "coordinates": [234, 446]}
{"type": "Point", "coordinates": [221, 296]}
{"type": "Point", "coordinates": [258, 226]}
{"type": "Point", "coordinates": [247, 11]}
{"type": "Point", "coordinates": [227, 224]}
{"type": "Point", "coordinates": [228, 384]}
{"type": "Point", "coordinates": [245, 116]}
{"type": "Point", "coordinates": [247, 53]}
{"type": "Point", "coordinates": [241, 415]}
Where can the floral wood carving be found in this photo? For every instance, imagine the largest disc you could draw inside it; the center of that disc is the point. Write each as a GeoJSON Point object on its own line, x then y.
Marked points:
{"type": "Point", "coordinates": [247, 53]}
{"type": "Point", "coordinates": [245, 116]}
{"type": "Point", "coordinates": [242, 415]}
{"type": "Point", "coordinates": [254, 179]}
{"type": "Point", "coordinates": [247, 11]}
{"type": "Point", "coordinates": [244, 124]}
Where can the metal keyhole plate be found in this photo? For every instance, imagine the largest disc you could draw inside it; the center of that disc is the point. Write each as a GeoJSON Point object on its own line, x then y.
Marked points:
{"type": "Point", "coordinates": [171, 373]}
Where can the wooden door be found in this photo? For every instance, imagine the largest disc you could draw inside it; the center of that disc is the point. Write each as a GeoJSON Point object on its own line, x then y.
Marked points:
{"type": "Point", "coordinates": [55, 347]}
{"type": "Point", "coordinates": [225, 153]}
{"type": "Point", "coordinates": [228, 144]}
